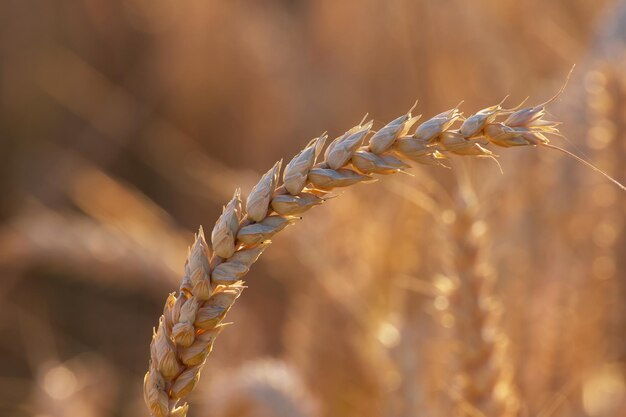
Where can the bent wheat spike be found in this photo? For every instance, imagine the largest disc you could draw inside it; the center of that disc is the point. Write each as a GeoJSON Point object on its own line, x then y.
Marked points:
{"type": "Point", "coordinates": [213, 276]}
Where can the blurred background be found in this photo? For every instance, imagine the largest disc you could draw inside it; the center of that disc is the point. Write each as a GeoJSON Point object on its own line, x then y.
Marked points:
{"type": "Point", "coordinates": [126, 124]}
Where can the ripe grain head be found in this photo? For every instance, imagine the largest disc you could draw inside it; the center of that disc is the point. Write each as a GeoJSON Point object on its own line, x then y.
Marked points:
{"type": "Point", "coordinates": [214, 273]}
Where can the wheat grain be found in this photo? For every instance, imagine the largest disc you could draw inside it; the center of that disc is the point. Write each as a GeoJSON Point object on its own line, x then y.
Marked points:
{"type": "Point", "coordinates": [212, 282]}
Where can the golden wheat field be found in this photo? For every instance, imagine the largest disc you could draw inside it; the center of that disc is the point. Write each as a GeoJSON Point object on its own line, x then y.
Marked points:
{"type": "Point", "coordinates": [313, 208]}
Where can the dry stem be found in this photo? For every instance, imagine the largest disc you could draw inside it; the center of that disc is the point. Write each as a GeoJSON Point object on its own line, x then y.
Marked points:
{"type": "Point", "coordinates": [483, 371]}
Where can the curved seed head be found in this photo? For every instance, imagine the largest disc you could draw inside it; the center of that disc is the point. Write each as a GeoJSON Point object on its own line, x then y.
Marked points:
{"type": "Point", "coordinates": [258, 201]}
{"type": "Point", "coordinates": [225, 230]}
{"type": "Point", "coordinates": [297, 170]}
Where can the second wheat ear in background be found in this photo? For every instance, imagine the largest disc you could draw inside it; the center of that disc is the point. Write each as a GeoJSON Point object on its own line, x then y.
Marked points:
{"type": "Point", "coordinates": [214, 270]}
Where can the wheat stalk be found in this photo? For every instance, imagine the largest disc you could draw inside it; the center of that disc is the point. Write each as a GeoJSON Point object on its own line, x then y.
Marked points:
{"type": "Point", "coordinates": [212, 282]}
{"type": "Point", "coordinates": [484, 383]}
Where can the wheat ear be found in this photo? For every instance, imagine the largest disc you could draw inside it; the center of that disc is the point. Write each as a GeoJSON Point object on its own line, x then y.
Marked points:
{"type": "Point", "coordinates": [484, 384]}
{"type": "Point", "coordinates": [213, 276]}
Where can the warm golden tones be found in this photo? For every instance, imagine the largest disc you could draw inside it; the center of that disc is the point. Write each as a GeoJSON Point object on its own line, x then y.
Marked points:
{"type": "Point", "coordinates": [214, 273]}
